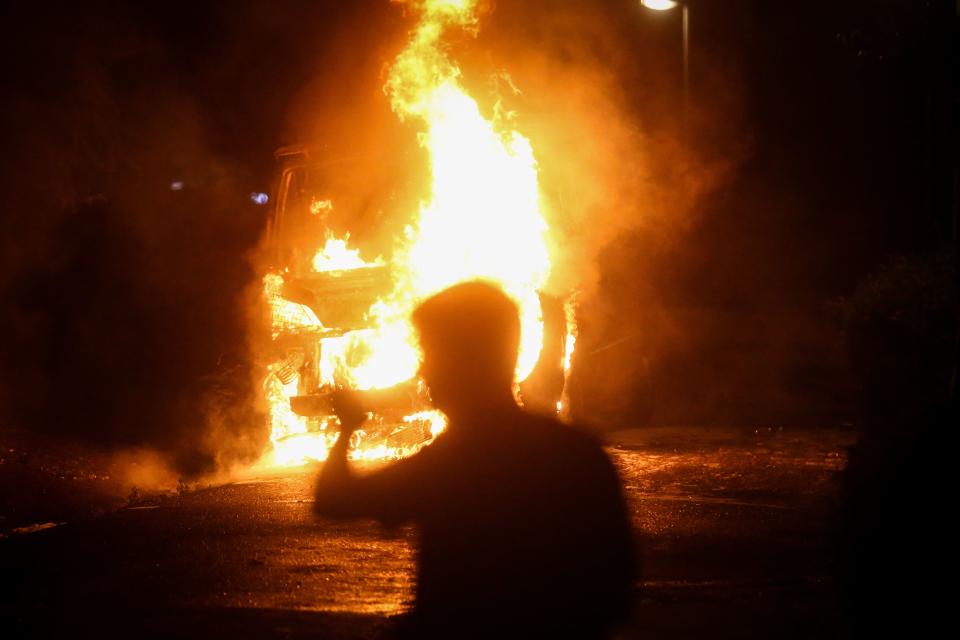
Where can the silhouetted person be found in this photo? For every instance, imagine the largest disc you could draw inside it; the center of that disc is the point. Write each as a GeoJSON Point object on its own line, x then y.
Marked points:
{"type": "Point", "coordinates": [524, 532]}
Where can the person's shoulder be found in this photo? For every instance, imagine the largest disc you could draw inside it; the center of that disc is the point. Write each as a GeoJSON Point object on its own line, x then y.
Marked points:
{"type": "Point", "coordinates": [571, 434]}
{"type": "Point", "coordinates": [573, 450]}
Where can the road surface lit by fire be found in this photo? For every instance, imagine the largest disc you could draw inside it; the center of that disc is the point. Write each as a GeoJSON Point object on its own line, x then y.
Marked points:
{"type": "Point", "coordinates": [732, 526]}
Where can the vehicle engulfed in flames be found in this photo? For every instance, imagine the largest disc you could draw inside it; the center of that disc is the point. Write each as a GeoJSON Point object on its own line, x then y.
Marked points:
{"type": "Point", "coordinates": [341, 321]}
{"type": "Point", "coordinates": [319, 294]}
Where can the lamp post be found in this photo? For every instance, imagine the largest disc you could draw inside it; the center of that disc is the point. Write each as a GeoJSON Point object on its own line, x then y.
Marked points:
{"type": "Point", "coordinates": [667, 5]}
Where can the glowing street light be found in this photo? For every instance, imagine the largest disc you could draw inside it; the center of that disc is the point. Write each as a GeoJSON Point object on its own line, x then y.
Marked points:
{"type": "Point", "coordinates": [659, 5]}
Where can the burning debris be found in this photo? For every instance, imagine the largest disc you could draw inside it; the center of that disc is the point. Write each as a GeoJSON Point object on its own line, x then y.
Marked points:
{"type": "Point", "coordinates": [339, 320]}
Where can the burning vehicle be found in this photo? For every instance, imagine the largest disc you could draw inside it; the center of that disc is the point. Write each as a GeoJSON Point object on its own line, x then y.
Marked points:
{"type": "Point", "coordinates": [341, 321]}
{"type": "Point", "coordinates": [320, 292]}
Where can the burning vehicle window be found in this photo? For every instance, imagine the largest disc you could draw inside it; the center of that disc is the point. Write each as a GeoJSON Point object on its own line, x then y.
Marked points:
{"type": "Point", "coordinates": [300, 220]}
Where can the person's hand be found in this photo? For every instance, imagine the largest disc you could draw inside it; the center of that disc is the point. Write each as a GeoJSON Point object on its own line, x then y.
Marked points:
{"type": "Point", "coordinates": [348, 406]}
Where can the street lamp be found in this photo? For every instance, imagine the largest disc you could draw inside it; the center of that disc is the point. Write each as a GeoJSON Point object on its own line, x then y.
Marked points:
{"type": "Point", "coordinates": [659, 5]}
{"type": "Point", "coordinates": [666, 5]}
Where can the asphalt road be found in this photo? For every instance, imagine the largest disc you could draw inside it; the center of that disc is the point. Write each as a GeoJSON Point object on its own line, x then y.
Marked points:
{"type": "Point", "coordinates": [732, 526]}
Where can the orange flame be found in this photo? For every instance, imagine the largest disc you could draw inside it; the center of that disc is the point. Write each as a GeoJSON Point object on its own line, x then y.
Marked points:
{"type": "Point", "coordinates": [483, 219]}
{"type": "Point", "coordinates": [335, 255]}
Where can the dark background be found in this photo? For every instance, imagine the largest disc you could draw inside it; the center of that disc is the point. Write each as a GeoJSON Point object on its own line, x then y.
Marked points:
{"type": "Point", "coordinates": [819, 160]}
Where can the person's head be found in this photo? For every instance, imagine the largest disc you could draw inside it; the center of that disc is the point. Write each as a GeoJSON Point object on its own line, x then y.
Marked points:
{"type": "Point", "coordinates": [469, 335]}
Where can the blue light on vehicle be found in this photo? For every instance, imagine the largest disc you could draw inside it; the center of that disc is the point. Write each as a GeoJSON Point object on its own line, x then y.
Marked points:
{"type": "Point", "coordinates": [258, 197]}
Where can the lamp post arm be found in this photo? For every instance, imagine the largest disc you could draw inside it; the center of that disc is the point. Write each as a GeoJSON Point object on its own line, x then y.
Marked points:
{"type": "Point", "coordinates": [685, 8]}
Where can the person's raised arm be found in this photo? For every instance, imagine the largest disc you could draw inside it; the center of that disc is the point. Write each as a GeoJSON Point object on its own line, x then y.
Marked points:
{"type": "Point", "coordinates": [392, 494]}
{"type": "Point", "coordinates": [334, 484]}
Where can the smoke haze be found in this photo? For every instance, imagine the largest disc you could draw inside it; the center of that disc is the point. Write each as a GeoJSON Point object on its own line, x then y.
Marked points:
{"type": "Point", "coordinates": [705, 244]}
